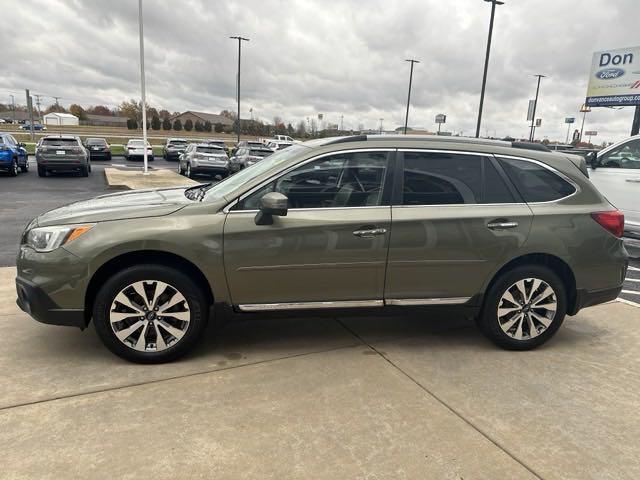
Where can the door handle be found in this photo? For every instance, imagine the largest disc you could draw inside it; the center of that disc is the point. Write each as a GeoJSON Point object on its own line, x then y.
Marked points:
{"type": "Point", "coordinates": [634, 180]}
{"type": "Point", "coordinates": [501, 225]}
{"type": "Point", "coordinates": [370, 232]}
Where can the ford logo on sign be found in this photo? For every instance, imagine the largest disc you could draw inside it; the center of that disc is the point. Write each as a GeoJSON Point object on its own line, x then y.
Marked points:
{"type": "Point", "coordinates": [609, 73]}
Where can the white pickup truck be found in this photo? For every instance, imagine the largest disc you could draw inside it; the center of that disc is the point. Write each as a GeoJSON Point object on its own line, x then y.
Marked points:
{"type": "Point", "coordinates": [615, 170]}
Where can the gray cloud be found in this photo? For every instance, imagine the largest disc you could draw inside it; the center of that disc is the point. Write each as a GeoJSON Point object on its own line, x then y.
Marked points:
{"type": "Point", "coordinates": [334, 57]}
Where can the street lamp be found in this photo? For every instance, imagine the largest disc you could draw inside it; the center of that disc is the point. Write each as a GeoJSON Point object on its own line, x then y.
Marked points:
{"type": "Point", "coordinates": [535, 105]}
{"type": "Point", "coordinates": [406, 117]}
{"type": "Point", "coordinates": [142, 88]}
{"type": "Point", "coordinates": [381, 119]}
{"type": "Point", "coordinates": [486, 61]}
{"type": "Point", "coordinates": [240, 40]}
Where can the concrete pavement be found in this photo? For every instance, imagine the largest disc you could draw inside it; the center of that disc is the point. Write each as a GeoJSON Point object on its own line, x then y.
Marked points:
{"type": "Point", "coordinates": [371, 398]}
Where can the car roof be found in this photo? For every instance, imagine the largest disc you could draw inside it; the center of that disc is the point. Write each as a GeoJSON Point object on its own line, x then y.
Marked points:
{"type": "Point", "coordinates": [176, 139]}
{"type": "Point", "coordinates": [206, 144]}
{"type": "Point", "coordinates": [63, 137]}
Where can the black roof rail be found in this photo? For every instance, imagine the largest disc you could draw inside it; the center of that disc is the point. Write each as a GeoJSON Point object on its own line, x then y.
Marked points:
{"type": "Point", "coordinates": [530, 146]}
{"type": "Point", "coordinates": [352, 138]}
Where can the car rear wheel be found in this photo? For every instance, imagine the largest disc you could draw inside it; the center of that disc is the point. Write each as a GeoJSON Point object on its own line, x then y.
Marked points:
{"type": "Point", "coordinates": [150, 314]}
{"type": "Point", "coordinates": [84, 171]}
{"type": "Point", "coordinates": [189, 170]}
{"type": "Point", "coordinates": [25, 168]}
{"type": "Point", "coordinates": [524, 308]}
{"type": "Point", "coordinates": [42, 172]}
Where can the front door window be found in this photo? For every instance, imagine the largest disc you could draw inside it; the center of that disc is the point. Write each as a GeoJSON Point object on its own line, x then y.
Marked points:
{"type": "Point", "coordinates": [626, 155]}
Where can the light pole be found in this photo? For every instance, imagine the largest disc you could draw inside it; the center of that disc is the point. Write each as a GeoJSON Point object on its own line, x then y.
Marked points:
{"type": "Point", "coordinates": [143, 90]}
{"type": "Point", "coordinates": [240, 40]}
{"type": "Point", "coordinates": [584, 109]}
{"type": "Point", "coordinates": [381, 119]}
{"type": "Point", "coordinates": [486, 62]}
{"type": "Point", "coordinates": [406, 117]}
{"type": "Point", "coordinates": [535, 106]}
{"type": "Point", "coordinates": [13, 107]}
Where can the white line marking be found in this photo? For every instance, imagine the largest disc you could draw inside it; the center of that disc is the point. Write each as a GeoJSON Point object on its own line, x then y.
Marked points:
{"type": "Point", "coordinates": [628, 302]}
{"type": "Point", "coordinates": [632, 279]}
{"type": "Point", "coordinates": [631, 292]}
{"type": "Point", "coordinates": [634, 269]}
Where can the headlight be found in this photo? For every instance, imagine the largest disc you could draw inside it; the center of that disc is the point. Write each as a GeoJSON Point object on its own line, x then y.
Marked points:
{"type": "Point", "coordinates": [46, 239]}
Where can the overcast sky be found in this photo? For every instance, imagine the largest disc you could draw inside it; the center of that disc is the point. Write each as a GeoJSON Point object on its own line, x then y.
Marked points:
{"type": "Point", "coordinates": [332, 57]}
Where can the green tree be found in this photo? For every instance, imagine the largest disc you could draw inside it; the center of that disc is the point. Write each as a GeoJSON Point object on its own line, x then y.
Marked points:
{"type": "Point", "coordinates": [188, 125]}
{"type": "Point", "coordinates": [177, 125]}
{"type": "Point", "coordinates": [132, 124]}
{"type": "Point", "coordinates": [166, 124]}
{"type": "Point", "coordinates": [219, 128]}
{"type": "Point", "coordinates": [155, 122]}
{"type": "Point", "coordinates": [290, 130]}
{"type": "Point", "coordinates": [53, 108]}
{"type": "Point", "coordinates": [198, 126]}
{"type": "Point", "coordinates": [130, 109]}
{"type": "Point", "coordinates": [207, 126]}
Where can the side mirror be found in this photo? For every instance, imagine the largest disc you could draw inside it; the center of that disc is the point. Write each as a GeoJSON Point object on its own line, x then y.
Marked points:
{"type": "Point", "coordinates": [592, 159]}
{"type": "Point", "coordinates": [271, 204]}
{"type": "Point", "coordinates": [22, 145]}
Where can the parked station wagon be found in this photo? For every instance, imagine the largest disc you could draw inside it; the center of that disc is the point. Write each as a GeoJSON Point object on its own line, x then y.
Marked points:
{"type": "Point", "coordinates": [511, 237]}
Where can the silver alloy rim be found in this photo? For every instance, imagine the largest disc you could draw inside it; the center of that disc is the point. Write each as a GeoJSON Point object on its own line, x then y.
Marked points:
{"type": "Point", "coordinates": [149, 316]}
{"type": "Point", "coordinates": [527, 308]}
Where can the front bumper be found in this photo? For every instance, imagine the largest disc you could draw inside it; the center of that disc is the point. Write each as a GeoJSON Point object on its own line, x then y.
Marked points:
{"type": "Point", "coordinates": [34, 301]}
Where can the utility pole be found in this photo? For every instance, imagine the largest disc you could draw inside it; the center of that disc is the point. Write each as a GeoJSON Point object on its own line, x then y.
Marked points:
{"type": "Point", "coordinates": [535, 105]}
{"type": "Point", "coordinates": [143, 90]}
{"type": "Point", "coordinates": [406, 117]}
{"type": "Point", "coordinates": [38, 106]}
{"type": "Point", "coordinates": [341, 123]}
{"type": "Point", "coordinates": [56, 99]}
{"type": "Point", "coordinates": [30, 110]}
{"type": "Point", "coordinates": [381, 119]}
{"type": "Point", "coordinates": [13, 107]}
{"type": "Point", "coordinates": [486, 62]}
{"type": "Point", "coordinates": [240, 40]}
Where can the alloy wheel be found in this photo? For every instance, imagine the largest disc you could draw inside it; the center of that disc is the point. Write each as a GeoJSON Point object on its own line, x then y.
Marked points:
{"type": "Point", "coordinates": [149, 316]}
{"type": "Point", "coordinates": [527, 308]}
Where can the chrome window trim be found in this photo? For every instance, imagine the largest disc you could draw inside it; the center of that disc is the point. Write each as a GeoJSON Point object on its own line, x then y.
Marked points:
{"type": "Point", "coordinates": [260, 307]}
{"type": "Point", "coordinates": [227, 208]}
{"type": "Point", "coordinates": [407, 302]}
{"type": "Point", "coordinates": [497, 157]}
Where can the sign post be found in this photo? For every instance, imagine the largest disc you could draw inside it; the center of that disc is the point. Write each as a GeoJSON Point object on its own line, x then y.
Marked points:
{"type": "Point", "coordinates": [590, 133]}
{"type": "Point", "coordinates": [440, 119]}
{"type": "Point", "coordinates": [614, 82]}
{"type": "Point", "coordinates": [569, 121]}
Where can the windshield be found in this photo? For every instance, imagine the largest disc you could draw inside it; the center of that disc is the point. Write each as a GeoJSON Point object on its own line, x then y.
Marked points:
{"type": "Point", "coordinates": [96, 141]}
{"type": "Point", "coordinates": [137, 143]}
{"type": "Point", "coordinates": [209, 149]}
{"type": "Point", "coordinates": [178, 143]}
{"type": "Point", "coordinates": [228, 185]}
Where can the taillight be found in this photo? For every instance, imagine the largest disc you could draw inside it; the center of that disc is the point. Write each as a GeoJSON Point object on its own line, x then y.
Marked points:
{"type": "Point", "coordinates": [612, 221]}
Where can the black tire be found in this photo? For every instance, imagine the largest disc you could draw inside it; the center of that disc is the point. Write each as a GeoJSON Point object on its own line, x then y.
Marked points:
{"type": "Point", "coordinates": [25, 168]}
{"type": "Point", "coordinates": [42, 172]}
{"type": "Point", "coordinates": [89, 167]}
{"type": "Point", "coordinates": [108, 157]}
{"type": "Point", "coordinates": [488, 320]}
{"type": "Point", "coordinates": [13, 171]}
{"type": "Point", "coordinates": [84, 171]}
{"type": "Point", "coordinates": [194, 296]}
{"type": "Point", "coordinates": [188, 174]}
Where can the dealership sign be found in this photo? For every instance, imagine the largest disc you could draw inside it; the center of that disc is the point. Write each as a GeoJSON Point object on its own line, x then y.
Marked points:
{"type": "Point", "coordinates": [615, 78]}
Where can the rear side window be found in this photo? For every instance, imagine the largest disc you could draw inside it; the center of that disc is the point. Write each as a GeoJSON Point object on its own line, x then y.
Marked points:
{"type": "Point", "coordinates": [432, 178]}
{"type": "Point", "coordinates": [535, 182]}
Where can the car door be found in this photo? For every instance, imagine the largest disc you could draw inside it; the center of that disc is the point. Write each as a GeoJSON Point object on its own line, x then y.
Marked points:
{"type": "Point", "coordinates": [618, 179]}
{"type": "Point", "coordinates": [329, 250]}
{"type": "Point", "coordinates": [456, 217]}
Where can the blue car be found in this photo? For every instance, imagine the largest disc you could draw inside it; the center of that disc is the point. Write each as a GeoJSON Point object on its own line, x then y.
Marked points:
{"type": "Point", "coordinates": [13, 155]}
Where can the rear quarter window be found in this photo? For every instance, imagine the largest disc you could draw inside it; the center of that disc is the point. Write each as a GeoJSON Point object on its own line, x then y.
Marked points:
{"type": "Point", "coordinates": [535, 182]}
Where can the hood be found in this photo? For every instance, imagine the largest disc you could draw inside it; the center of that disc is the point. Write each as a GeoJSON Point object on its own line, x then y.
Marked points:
{"type": "Point", "coordinates": [118, 206]}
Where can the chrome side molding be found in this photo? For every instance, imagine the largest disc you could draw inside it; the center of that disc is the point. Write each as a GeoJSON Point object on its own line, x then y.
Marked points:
{"type": "Point", "coordinates": [404, 302]}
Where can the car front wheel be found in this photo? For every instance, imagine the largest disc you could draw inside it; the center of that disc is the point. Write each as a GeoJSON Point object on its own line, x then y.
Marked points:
{"type": "Point", "coordinates": [150, 314]}
{"type": "Point", "coordinates": [13, 170]}
{"type": "Point", "coordinates": [524, 308]}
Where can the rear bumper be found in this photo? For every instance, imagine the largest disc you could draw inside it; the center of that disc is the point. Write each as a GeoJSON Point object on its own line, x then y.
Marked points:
{"type": "Point", "coordinates": [172, 155]}
{"type": "Point", "coordinates": [34, 301]}
{"type": "Point", "coordinates": [138, 157]}
{"type": "Point", "coordinates": [98, 154]}
{"type": "Point", "coordinates": [211, 170]}
{"type": "Point", "coordinates": [588, 298]}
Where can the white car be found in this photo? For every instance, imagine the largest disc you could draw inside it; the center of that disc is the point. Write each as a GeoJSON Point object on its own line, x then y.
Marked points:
{"type": "Point", "coordinates": [134, 150]}
{"type": "Point", "coordinates": [615, 170]}
{"type": "Point", "coordinates": [278, 144]}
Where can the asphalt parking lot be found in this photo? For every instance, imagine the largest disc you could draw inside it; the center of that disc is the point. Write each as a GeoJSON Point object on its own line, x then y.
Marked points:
{"type": "Point", "coordinates": [406, 397]}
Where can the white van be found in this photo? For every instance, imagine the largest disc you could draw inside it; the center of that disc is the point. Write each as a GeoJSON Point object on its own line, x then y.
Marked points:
{"type": "Point", "coordinates": [615, 170]}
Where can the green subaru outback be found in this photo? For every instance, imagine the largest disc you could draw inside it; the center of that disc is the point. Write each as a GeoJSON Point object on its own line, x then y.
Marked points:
{"type": "Point", "coordinates": [512, 237]}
